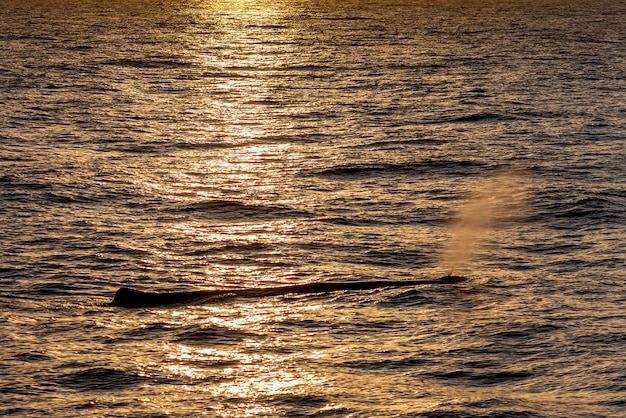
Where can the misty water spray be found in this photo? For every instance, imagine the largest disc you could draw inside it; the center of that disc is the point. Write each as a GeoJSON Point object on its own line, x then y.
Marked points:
{"type": "Point", "coordinates": [496, 200]}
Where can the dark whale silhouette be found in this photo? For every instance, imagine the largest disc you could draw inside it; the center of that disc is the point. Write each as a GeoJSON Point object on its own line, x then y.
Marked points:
{"type": "Point", "coordinates": [131, 298]}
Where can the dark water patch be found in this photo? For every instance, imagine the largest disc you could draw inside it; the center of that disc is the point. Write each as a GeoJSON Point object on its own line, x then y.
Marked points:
{"type": "Point", "coordinates": [243, 69]}
{"type": "Point", "coordinates": [591, 207]}
{"type": "Point", "coordinates": [345, 221]}
{"type": "Point", "coordinates": [210, 335]}
{"type": "Point", "coordinates": [8, 179]}
{"type": "Point", "coordinates": [465, 413]}
{"type": "Point", "coordinates": [614, 402]}
{"type": "Point", "coordinates": [487, 403]}
{"type": "Point", "coordinates": [228, 73]}
{"type": "Point", "coordinates": [292, 138]}
{"type": "Point", "coordinates": [263, 102]}
{"type": "Point", "coordinates": [234, 209]}
{"type": "Point", "coordinates": [341, 18]}
{"type": "Point", "coordinates": [514, 334]}
{"type": "Point", "coordinates": [149, 331]}
{"type": "Point", "coordinates": [475, 117]}
{"type": "Point", "coordinates": [299, 401]}
{"type": "Point", "coordinates": [92, 407]}
{"type": "Point", "coordinates": [601, 338]}
{"type": "Point", "coordinates": [271, 27]}
{"type": "Point", "coordinates": [204, 145]}
{"type": "Point", "coordinates": [143, 148]}
{"type": "Point", "coordinates": [69, 198]}
{"type": "Point", "coordinates": [81, 47]}
{"type": "Point", "coordinates": [117, 249]}
{"type": "Point", "coordinates": [387, 364]}
{"type": "Point", "coordinates": [487, 378]}
{"type": "Point", "coordinates": [308, 67]}
{"type": "Point", "coordinates": [301, 405]}
{"type": "Point", "coordinates": [32, 357]}
{"type": "Point", "coordinates": [526, 336]}
{"type": "Point", "coordinates": [500, 377]}
{"type": "Point", "coordinates": [481, 364]}
{"type": "Point", "coordinates": [315, 115]}
{"type": "Point", "coordinates": [192, 334]}
{"type": "Point", "coordinates": [597, 208]}
{"type": "Point", "coordinates": [13, 157]}
{"type": "Point", "coordinates": [13, 272]}
{"type": "Point", "coordinates": [308, 324]}
{"type": "Point", "coordinates": [429, 167]}
{"type": "Point", "coordinates": [401, 144]}
{"type": "Point", "coordinates": [411, 297]}
{"type": "Point", "coordinates": [236, 248]}
{"type": "Point", "coordinates": [53, 289]}
{"type": "Point", "coordinates": [260, 260]}
{"type": "Point", "coordinates": [100, 379]}
{"type": "Point", "coordinates": [21, 411]}
{"type": "Point", "coordinates": [148, 63]}
{"type": "Point", "coordinates": [18, 182]}
{"type": "Point", "coordinates": [554, 248]}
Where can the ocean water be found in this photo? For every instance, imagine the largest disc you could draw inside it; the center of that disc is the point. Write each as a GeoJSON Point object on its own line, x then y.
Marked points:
{"type": "Point", "coordinates": [183, 144]}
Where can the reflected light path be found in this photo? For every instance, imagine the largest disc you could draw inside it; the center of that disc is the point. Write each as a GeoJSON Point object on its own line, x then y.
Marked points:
{"type": "Point", "coordinates": [250, 362]}
{"type": "Point", "coordinates": [235, 167]}
{"type": "Point", "coordinates": [242, 378]}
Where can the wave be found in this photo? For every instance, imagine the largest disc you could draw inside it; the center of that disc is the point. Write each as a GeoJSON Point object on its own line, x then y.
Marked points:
{"type": "Point", "coordinates": [32, 357]}
{"type": "Point", "coordinates": [591, 207]}
{"type": "Point", "coordinates": [100, 378]}
{"type": "Point", "coordinates": [607, 208]}
{"type": "Point", "coordinates": [401, 144]}
{"type": "Point", "coordinates": [267, 26]}
{"type": "Point", "coordinates": [445, 167]}
{"type": "Point", "coordinates": [488, 378]}
{"type": "Point", "coordinates": [466, 411]}
{"type": "Point", "coordinates": [238, 248]}
{"type": "Point", "coordinates": [387, 364]}
{"type": "Point", "coordinates": [148, 63]}
{"type": "Point", "coordinates": [235, 209]}
{"type": "Point", "coordinates": [211, 334]}
{"type": "Point", "coordinates": [472, 117]}
{"type": "Point", "coordinates": [411, 297]}
{"type": "Point", "coordinates": [53, 288]}
{"type": "Point", "coordinates": [203, 145]}
{"type": "Point", "coordinates": [339, 18]}
{"type": "Point", "coordinates": [344, 221]}
{"type": "Point", "coordinates": [307, 67]}
{"type": "Point", "coordinates": [18, 182]}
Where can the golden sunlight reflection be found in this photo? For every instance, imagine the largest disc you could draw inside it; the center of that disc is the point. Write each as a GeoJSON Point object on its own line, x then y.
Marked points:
{"type": "Point", "coordinates": [229, 174]}
{"type": "Point", "coordinates": [244, 355]}
{"type": "Point", "coordinates": [265, 9]}
{"type": "Point", "coordinates": [231, 178]}
{"type": "Point", "coordinates": [242, 98]}
{"type": "Point", "coordinates": [223, 267]}
{"type": "Point", "coordinates": [246, 233]}
{"type": "Point", "coordinates": [251, 370]}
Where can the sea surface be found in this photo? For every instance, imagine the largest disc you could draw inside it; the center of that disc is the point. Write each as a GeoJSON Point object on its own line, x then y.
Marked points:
{"type": "Point", "coordinates": [172, 145]}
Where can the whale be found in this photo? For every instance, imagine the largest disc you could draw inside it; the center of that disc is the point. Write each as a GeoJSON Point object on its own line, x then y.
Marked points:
{"type": "Point", "coordinates": [127, 297]}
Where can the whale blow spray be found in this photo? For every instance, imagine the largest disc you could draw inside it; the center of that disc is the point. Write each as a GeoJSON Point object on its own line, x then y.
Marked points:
{"type": "Point", "coordinates": [496, 200]}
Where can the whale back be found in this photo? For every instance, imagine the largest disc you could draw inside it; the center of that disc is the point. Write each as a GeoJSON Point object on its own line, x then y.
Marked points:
{"type": "Point", "coordinates": [129, 298]}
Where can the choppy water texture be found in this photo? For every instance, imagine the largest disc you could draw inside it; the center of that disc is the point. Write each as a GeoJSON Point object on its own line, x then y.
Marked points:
{"type": "Point", "coordinates": [174, 145]}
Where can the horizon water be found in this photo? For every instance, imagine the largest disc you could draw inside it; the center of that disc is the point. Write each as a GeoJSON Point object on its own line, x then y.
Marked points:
{"type": "Point", "coordinates": [183, 144]}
